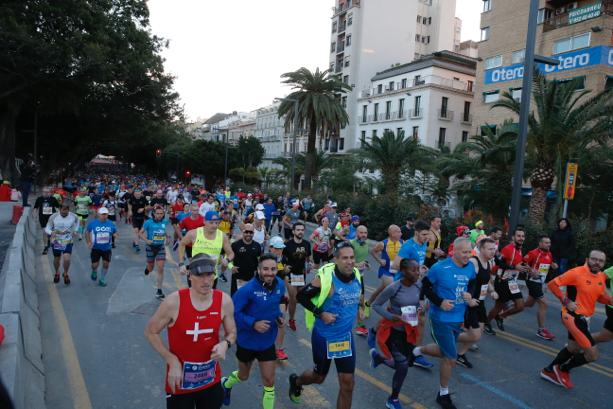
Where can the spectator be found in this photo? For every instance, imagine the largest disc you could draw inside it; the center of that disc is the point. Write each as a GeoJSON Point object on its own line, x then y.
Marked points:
{"type": "Point", "coordinates": [563, 245]}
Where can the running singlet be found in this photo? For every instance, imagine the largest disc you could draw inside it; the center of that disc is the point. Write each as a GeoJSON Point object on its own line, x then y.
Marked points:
{"type": "Point", "coordinates": [61, 230]}
{"type": "Point", "coordinates": [156, 231]}
{"type": "Point", "coordinates": [111, 205]}
{"type": "Point", "coordinates": [360, 250]}
{"type": "Point", "coordinates": [191, 339]}
{"type": "Point", "coordinates": [344, 303]}
{"type": "Point", "coordinates": [540, 261]}
{"type": "Point", "coordinates": [202, 245]}
{"type": "Point", "coordinates": [83, 203]}
{"type": "Point", "coordinates": [101, 234]}
{"type": "Point", "coordinates": [388, 254]}
{"type": "Point", "coordinates": [482, 280]}
{"type": "Point", "coordinates": [583, 287]}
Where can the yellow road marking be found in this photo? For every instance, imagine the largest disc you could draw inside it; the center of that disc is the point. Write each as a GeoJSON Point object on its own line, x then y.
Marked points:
{"type": "Point", "coordinates": [375, 382]}
{"type": "Point", "coordinates": [76, 382]}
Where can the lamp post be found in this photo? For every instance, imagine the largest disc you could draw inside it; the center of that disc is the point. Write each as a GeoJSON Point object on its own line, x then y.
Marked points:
{"type": "Point", "coordinates": [526, 91]}
{"type": "Point", "coordinates": [294, 136]}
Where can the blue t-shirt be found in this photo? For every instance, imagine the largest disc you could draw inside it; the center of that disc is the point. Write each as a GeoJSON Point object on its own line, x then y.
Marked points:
{"type": "Point", "coordinates": [353, 231]}
{"type": "Point", "coordinates": [182, 215]}
{"type": "Point", "coordinates": [101, 234]}
{"type": "Point", "coordinates": [156, 231]}
{"type": "Point", "coordinates": [411, 250]}
{"type": "Point", "coordinates": [449, 282]}
{"type": "Point", "coordinates": [269, 209]}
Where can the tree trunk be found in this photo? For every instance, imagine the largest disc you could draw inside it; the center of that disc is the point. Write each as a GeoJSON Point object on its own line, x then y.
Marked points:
{"type": "Point", "coordinates": [538, 203]}
{"type": "Point", "coordinates": [8, 117]}
{"type": "Point", "coordinates": [310, 154]}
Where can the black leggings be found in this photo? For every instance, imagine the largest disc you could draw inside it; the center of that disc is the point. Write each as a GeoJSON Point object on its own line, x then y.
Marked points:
{"type": "Point", "coordinates": [209, 398]}
{"type": "Point", "coordinates": [400, 349]}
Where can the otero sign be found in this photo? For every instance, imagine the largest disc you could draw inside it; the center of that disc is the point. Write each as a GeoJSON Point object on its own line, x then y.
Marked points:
{"type": "Point", "coordinates": [584, 13]}
{"type": "Point", "coordinates": [587, 57]}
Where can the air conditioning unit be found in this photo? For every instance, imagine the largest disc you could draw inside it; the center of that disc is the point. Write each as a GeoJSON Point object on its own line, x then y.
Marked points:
{"type": "Point", "coordinates": [560, 10]}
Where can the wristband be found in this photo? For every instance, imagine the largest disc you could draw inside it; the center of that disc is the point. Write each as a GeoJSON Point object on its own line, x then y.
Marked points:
{"type": "Point", "coordinates": [317, 312]}
{"type": "Point", "coordinates": [228, 343]}
{"type": "Point", "coordinates": [230, 265]}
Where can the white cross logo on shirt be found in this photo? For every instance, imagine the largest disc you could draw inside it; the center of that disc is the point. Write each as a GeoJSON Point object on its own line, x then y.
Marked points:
{"type": "Point", "coordinates": [197, 331]}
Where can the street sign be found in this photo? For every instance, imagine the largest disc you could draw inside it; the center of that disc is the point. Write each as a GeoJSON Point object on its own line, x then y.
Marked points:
{"type": "Point", "coordinates": [572, 170]}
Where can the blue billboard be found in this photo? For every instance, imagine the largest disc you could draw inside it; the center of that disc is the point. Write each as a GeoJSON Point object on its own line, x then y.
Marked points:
{"type": "Point", "coordinates": [587, 57]}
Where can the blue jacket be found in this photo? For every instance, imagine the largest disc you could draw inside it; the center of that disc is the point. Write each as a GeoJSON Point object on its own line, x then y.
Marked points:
{"type": "Point", "coordinates": [269, 209]}
{"type": "Point", "coordinates": [253, 302]}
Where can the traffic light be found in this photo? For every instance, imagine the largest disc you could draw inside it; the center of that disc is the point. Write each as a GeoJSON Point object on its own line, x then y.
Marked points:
{"type": "Point", "coordinates": [188, 173]}
{"type": "Point", "coordinates": [158, 153]}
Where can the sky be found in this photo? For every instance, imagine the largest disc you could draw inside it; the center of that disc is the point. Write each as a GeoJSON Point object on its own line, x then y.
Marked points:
{"type": "Point", "coordinates": [229, 55]}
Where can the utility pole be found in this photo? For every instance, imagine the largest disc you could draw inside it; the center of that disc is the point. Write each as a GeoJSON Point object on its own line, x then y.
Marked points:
{"type": "Point", "coordinates": [296, 125]}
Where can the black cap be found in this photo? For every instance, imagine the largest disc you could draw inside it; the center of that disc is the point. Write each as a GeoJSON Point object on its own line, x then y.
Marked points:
{"type": "Point", "coordinates": [202, 264]}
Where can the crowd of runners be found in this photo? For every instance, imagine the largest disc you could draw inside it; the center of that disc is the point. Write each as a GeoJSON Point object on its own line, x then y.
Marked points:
{"type": "Point", "coordinates": [259, 243]}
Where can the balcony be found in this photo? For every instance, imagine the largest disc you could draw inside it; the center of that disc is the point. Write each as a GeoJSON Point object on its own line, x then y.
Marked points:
{"type": "Point", "coordinates": [345, 6]}
{"type": "Point", "coordinates": [445, 114]}
{"type": "Point", "coordinates": [580, 14]}
{"type": "Point", "coordinates": [340, 47]}
{"type": "Point", "coordinates": [342, 27]}
{"type": "Point", "coordinates": [338, 68]}
{"type": "Point", "coordinates": [416, 113]}
{"type": "Point", "coordinates": [418, 82]}
{"type": "Point", "coordinates": [467, 118]}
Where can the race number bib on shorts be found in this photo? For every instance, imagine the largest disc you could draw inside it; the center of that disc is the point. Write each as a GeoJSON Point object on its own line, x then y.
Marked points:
{"type": "Point", "coordinates": [483, 292]}
{"type": "Point", "coordinates": [47, 210]}
{"type": "Point", "coordinates": [296, 280]}
{"type": "Point", "coordinates": [60, 241]}
{"type": "Point", "coordinates": [198, 374]}
{"type": "Point", "coordinates": [103, 237]}
{"type": "Point", "coordinates": [339, 347]}
{"type": "Point", "coordinates": [409, 314]}
{"type": "Point", "coordinates": [514, 286]}
{"type": "Point", "coordinates": [543, 270]}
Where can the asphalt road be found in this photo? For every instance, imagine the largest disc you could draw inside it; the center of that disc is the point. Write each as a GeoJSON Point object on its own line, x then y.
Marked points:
{"type": "Point", "coordinates": [96, 356]}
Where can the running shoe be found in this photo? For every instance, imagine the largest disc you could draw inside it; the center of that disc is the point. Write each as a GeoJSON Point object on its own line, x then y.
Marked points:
{"type": "Point", "coordinates": [159, 294]}
{"type": "Point", "coordinates": [375, 358]}
{"type": "Point", "coordinates": [371, 340]}
{"type": "Point", "coordinates": [500, 323]}
{"type": "Point", "coordinates": [223, 278]}
{"type": "Point", "coordinates": [445, 401]}
{"type": "Point", "coordinates": [474, 347]}
{"type": "Point", "coordinates": [56, 278]}
{"type": "Point", "coordinates": [45, 251]}
{"type": "Point", "coordinates": [550, 376]}
{"type": "Point", "coordinates": [422, 362]}
{"type": "Point", "coordinates": [461, 359]}
{"type": "Point", "coordinates": [226, 391]}
{"type": "Point", "coordinates": [281, 355]}
{"type": "Point", "coordinates": [66, 279]}
{"type": "Point", "coordinates": [487, 328]}
{"type": "Point", "coordinates": [102, 282]}
{"type": "Point", "coordinates": [292, 324]}
{"type": "Point", "coordinates": [545, 334]}
{"type": "Point", "coordinates": [146, 271]}
{"type": "Point", "coordinates": [94, 275]}
{"type": "Point", "coordinates": [361, 330]}
{"type": "Point", "coordinates": [294, 390]}
{"type": "Point", "coordinates": [563, 377]}
{"type": "Point", "coordinates": [137, 248]}
{"type": "Point", "coordinates": [393, 403]}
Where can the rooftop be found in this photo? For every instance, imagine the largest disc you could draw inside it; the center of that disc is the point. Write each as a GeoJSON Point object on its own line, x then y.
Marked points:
{"type": "Point", "coordinates": [442, 59]}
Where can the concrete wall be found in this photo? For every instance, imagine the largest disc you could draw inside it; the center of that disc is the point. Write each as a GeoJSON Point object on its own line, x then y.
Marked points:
{"type": "Point", "coordinates": [21, 365]}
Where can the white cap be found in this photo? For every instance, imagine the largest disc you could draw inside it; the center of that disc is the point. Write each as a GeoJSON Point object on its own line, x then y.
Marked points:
{"type": "Point", "coordinates": [103, 210]}
{"type": "Point", "coordinates": [277, 242]}
{"type": "Point", "coordinates": [259, 215]}
{"type": "Point", "coordinates": [259, 206]}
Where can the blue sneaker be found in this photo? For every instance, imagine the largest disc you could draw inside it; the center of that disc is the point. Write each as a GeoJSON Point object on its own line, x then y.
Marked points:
{"type": "Point", "coordinates": [393, 404]}
{"type": "Point", "coordinates": [102, 282]}
{"type": "Point", "coordinates": [226, 391]}
{"type": "Point", "coordinates": [375, 358]}
{"type": "Point", "coordinates": [422, 362]}
{"type": "Point", "coordinates": [94, 276]}
{"type": "Point", "coordinates": [371, 339]}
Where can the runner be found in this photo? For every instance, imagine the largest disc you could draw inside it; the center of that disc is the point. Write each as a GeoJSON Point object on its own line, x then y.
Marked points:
{"type": "Point", "coordinates": [83, 203]}
{"type": "Point", "coordinates": [260, 234]}
{"type": "Point", "coordinates": [447, 288]}
{"type": "Point", "coordinates": [353, 227]}
{"type": "Point", "coordinates": [61, 228]}
{"type": "Point", "coordinates": [153, 233]}
{"type": "Point", "coordinates": [322, 244]}
{"type": "Point", "coordinates": [606, 334]}
{"type": "Point", "coordinates": [258, 315]}
{"type": "Point", "coordinates": [192, 317]}
{"type": "Point", "coordinates": [276, 247]}
{"type": "Point", "coordinates": [407, 229]}
{"type": "Point", "coordinates": [298, 253]}
{"type": "Point", "coordinates": [192, 222]}
{"type": "Point", "coordinates": [271, 213]}
{"type": "Point", "coordinates": [477, 231]}
{"type": "Point", "coordinates": [475, 316]}
{"type": "Point", "coordinates": [332, 301]}
{"type": "Point", "coordinates": [307, 207]}
{"type": "Point", "coordinates": [585, 286]}
{"type": "Point", "coordinates": [540, 260]}
{"type": "Point", "coordinates": [99, 237]}
{"type": "Point", "coordinates": [137, 206]}
{"type": "Point", "coordinates": [46, 206]}
{"type": "Point", "coordinates": [208, 206]}
{"type": "Point", "coordinates": [292, 216]}
{"type": "Point", "coordinates": [360, 248]}
{"type": "Point", "coordinates": [246, 255]}
{"type": "Point", "coordinates": [398, 327]}
{"type": "Point", "coordinates": [385, 253]}
{"type": "Point", "coordinates": [434, 253]}
{"type": "Point", "coordinates": [111, 204]}
{"type": "Point", "coordinates": [505, 282]}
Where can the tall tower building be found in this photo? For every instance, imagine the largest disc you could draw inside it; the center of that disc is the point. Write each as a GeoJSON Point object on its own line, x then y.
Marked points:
{"type": "Point", "coordinates": [369, 36]}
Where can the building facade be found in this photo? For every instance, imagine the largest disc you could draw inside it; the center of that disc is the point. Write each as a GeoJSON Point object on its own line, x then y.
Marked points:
{"type": "Point", "coordinates": [270, 130]}
{"type": "Point", "coordinates": [429, 99]}
{"type": "Point", "coordinates": [577, 33]}
{"type": "Point", "coordinates": [368, 36]}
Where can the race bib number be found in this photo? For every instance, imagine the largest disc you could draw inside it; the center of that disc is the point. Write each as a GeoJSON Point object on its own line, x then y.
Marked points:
{"type": "Point", "coordinates": [297, 280]}
{"type": "Point", "coordinates": [340, 347]}
{"type": "Point", "coordinates": [514, 286]}
{"type": "Point", "coordinates": [60, 241]}
{"type": "Point", "coordinates": [103, 237]}
{"type": "Point", "coordinates": [543, 270]}
{"type": "Point", "coordinates": [483, 292]}
{"type": "Point", "coordinates": [159, 237]}
{"type": "Point", "coordinates": [409, 315]}
{"type": "Point", "coordinates": [47, 210]}
{"type": "Point", "coordinates": [198, 374]}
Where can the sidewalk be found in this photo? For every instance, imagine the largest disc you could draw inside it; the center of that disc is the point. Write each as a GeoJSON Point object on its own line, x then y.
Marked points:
{"type": "Point", "coordinates": [6, 228]}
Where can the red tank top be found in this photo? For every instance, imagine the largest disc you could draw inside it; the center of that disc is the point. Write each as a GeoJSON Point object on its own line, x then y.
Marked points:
{"type": "Point", "coordinates": [191, 339]}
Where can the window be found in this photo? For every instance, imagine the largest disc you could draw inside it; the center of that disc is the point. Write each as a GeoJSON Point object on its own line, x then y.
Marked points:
{"type": "Point", "coordinates": [348, 40]}
{"type": "Point", "coordinates": [403, 83]}
{"type": "Point", "coordinates": [388, 109]}
{"type": "Point", "coordinates": [332, 47]}
{"type": "Point", "coordinates": [390, 86]}
{"type": "Point", "coordinates": [487, 5]}
{"type": "Point", "coordinates": [416, 106]}
{"type": "Point", "coordinates": [349, 19]}
{"type": "Point", "coordinates": [341, 144]}
{"type": "Point", "coordinates": [444, 104]}
{"type": "Point", "coordinates": [376, 113]}
{"type": "Point", "coordinates": [334, 27]}
{"type": "Point", "coordinates": [516, 94]}
{"type": "Point", "coordinates": [364, 112]}
{"type": "Point", "coordinates": [571, 43]}
{"type": "Point", "coordinates": [518, 56]}
{"type": "Point", "coordinates": [493, 62]}
{"type": "Point", "coordinates": [363, 137]}
{"type": "Point", "coordinates": [543, 14]}
{"type": "Point", "coordinates": [346, 79]}
{"type": "Point", "coordinates": [374, 133]}
{"type": "Point", "coordinates": [344, 102]}
{"type": "Point", "coordinates": [346, 61]}
{"type": "Point", "coordinates": [327, 144]}
{"type": "Point", "coordinates": [485, 34]}
{"type": "Point", "coordinates": [401, 108]}
{"type": "Point", "coordinates": [466, 114]}
{"type": "Point", "coordinates": [399, 131]}
{"type": "Point", "coordinates": [380, 89]}
{"type": "Point", "coordinates": [441, 137]}
{"type": "Point", "coordinates": [469, 85]}
{"type": "Point", "coordinates": [427, 39]}
{"type": "Point", "coordinates": [415, 133]}
{"type": "Point", "coordinates": [464, 136]}
{"type": "Point", "coordinates": [429, 20]}
{"type": "Point", "coordinates": [491, 96]}
{"type": "Point", "coordinates": [418, 80]}
{"type": "Point", "coordinates": [417, 37]}
{"type": "Point", "coordinates": [579, 82]}
{"type": "Point", "coordinates": [419, 19]}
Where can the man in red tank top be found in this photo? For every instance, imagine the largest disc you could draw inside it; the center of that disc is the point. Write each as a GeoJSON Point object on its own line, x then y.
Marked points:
{"type": "Point", "coordinates": [192, 317]}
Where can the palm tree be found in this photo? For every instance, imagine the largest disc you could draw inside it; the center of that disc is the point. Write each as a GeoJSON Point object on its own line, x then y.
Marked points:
{"type": "Point", "coordinates": [563, 124]}
{"type": "Point", "coordinates": [319, 110]}
{"type": "Point", "coordinates": [321, 161]}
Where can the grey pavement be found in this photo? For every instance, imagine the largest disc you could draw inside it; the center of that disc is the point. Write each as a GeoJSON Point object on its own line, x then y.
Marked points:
{"type": "Point", "coordinates": [96, 355]}
{"type": "Point", "coordinates": [6, 228]}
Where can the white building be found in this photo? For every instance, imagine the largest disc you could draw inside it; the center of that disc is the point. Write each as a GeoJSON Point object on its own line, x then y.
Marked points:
{"type": "Point", "coordinates": [270, 130]}
{"type": "Point", "coordinates": [370, 35]}
{"type": "Point", "coordinates": [429, 99]}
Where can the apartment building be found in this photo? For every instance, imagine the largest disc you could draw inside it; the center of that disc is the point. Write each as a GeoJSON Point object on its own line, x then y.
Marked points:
{"type": "Point", "coordinates": [368, 36]}
{"type": "Point", "coordinates": [429, 99]}
{"type": "Point", "coordinates": [577, 33]}
{"type": "Point", "coordinates": [270, 130]}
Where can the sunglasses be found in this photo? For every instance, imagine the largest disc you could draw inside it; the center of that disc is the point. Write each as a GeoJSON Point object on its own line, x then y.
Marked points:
{"type": "Point", "coordinates": [248, 232]}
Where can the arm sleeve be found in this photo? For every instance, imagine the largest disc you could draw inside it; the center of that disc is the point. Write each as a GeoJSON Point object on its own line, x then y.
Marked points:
{"type": "Point", "coordinates": [428, 291]}
{"type": "Point", "coordinates": [384, 296]}
{"type": "Point", "coordinates": [304, 297]}
{"type": "Point", "coordinates": [240, 303]}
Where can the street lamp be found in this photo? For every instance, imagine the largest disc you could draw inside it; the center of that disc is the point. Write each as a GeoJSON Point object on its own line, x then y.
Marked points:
{"type": "Point", "coordinates": [295, 135]}
{"type": "Point", "coordinates": [526, 91]}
